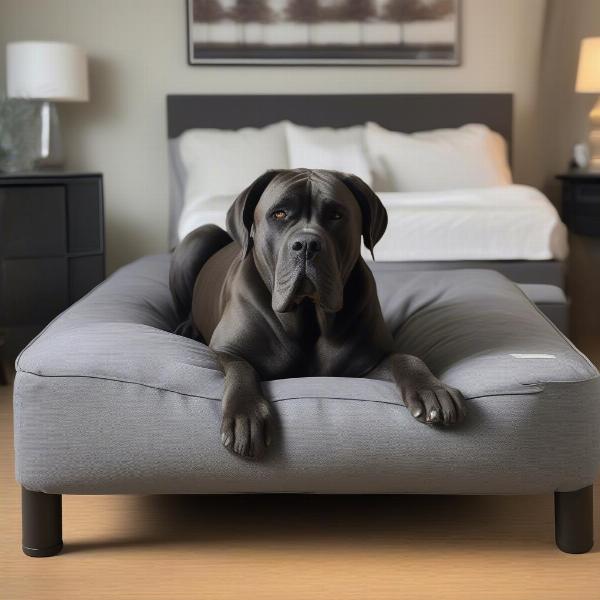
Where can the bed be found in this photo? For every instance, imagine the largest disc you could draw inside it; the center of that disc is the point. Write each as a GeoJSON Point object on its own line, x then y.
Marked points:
{"type": "Point", "coordinates": [516, 232]}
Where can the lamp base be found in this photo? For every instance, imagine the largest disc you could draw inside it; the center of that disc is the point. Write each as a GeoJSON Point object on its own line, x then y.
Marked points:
{"type": "Point", "coordinates": [594, 139]}
{"type": "Point", "coordinates": [50, 150]}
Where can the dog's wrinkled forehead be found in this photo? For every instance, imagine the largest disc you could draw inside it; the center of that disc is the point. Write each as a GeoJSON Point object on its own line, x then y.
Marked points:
{"type": "Point", "coordinates": [304, 184]}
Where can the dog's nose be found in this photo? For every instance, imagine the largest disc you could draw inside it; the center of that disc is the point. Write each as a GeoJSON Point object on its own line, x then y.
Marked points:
{"type": "Point", "coordinates": [307, 244]}
{"type": "Point", "coordinates": [311, 246]}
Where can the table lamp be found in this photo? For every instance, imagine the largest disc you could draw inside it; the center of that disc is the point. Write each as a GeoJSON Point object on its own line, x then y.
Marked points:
{"type": "Point", "coordinates": [48, 72]}
{"type": "Point", "coordinates": [588, 82]}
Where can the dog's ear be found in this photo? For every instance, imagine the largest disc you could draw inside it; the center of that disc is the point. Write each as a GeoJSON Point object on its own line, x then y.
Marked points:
{"type": "Point", "coordinates": [241, 213]}
{"type": "Point", "coordinates": [374, 215]}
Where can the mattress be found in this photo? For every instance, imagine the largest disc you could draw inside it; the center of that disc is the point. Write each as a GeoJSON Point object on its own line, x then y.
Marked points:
{"type": "Point", "coordinates": [108, 400]}
{"type": "Point", "coordinates": [512, 222]}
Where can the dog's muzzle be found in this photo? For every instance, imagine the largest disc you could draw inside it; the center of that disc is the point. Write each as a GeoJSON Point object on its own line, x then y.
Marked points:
{"type": "Point", "coordinates": [307, 270]}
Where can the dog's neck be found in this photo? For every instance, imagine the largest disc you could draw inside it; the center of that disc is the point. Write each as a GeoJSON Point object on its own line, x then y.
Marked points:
{"type": "Point", "coordinates": [306, 323]}
{"type": "Point", "coordinates": [309, 323]}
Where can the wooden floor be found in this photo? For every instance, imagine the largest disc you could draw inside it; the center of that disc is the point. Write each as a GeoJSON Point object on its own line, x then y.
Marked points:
{"type": "Point", "coordinates": [414, 547]}
{"type": "Point", "coordinates": [282, 547]}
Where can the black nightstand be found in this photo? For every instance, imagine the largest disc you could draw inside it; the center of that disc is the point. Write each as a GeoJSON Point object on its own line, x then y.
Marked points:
{"type": "Point", "coordinates": [51, 249]}
{"type": "Point", "coordinates": [581, 202]}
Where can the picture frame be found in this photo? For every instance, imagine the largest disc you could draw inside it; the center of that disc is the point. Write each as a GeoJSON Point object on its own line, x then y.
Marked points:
{"type": "Point", "coordinates": [324, 32]}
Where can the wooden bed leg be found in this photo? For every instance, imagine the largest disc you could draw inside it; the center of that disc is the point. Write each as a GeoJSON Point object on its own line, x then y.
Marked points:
{"type": "Point", "coordinates": [574, 520]}
{"type": "Point", "coordinates": [42, 523]}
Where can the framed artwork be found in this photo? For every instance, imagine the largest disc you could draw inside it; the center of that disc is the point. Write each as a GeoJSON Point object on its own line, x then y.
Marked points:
{"type": "Point", "coordinates": [323, 32]}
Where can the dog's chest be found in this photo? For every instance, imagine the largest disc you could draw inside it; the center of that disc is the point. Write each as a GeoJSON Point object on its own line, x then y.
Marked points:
{"type": "Point", "coordinates": [308, 357]}
{"type": "Point", "coordinates": [297, 361]}
{"type": "Point", "coordinates": [303, 341]}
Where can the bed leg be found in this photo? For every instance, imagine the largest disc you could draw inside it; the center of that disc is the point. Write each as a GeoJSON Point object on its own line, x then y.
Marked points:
{"type": "Point", "coordinates": [42, 523]}
{"type": "Point", "coordinates": [574, 520]}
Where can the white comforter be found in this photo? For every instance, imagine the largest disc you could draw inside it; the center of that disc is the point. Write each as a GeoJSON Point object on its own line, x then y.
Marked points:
{"type": "Point", "coordinates": [511, 222]}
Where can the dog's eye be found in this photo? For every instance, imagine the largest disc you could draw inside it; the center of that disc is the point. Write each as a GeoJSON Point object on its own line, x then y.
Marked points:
{"type": "Point", "coordinates": [334, 215]}
{"type": "Point", "coordinates": [279, 215]}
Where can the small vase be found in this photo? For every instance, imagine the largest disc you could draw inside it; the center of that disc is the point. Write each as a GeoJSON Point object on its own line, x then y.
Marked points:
{"type": "Point", "coordinates": [19, 121]}
{"type": "Point", "coordinates": [29, 136]}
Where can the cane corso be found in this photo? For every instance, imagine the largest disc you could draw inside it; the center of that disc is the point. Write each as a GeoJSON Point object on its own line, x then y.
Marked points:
{"type": "Point", "coordinates": [285, 293]}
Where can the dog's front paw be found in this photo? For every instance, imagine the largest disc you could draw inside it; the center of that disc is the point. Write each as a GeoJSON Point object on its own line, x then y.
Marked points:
{"type": "Point", "coordinates": [247, 426]}
{"type": "Point", "coordinates": [436, 404]}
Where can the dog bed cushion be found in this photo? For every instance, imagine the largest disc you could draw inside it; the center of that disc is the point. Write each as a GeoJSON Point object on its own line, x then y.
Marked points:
{"type": "Point", "coordinates": [108, 400]}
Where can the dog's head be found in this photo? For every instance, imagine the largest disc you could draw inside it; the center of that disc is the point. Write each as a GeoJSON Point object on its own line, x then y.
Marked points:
{"type": "Point", "coordinates": [304, 227]}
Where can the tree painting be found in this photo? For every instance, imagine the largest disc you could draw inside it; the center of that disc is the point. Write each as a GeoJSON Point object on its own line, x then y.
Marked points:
{"type": "Point", "coordinates": [357, 10]}
{"type": "Point", "coordinates": [404, 11]}
{"type": "Point", "coordinates": [441, 9]}
{"type": "Point", "coordinates": [304, 11]}
{"type": "Point", "coordinates": [251, 11]}
{"type": "Point", "coordinates": [324, 31]}
{"type": "Point", "coordinates": [207, 12]}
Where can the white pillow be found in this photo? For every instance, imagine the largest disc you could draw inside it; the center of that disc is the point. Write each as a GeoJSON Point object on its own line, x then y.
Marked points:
{"type": "Point", "coordinates": [327, 148]}
{"type": "Point", "coordinates": [218, 161]}
{"type": "Point", "coordinates": [467, 157]}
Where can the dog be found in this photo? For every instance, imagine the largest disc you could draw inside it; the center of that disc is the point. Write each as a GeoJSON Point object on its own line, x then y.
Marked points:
{"type": "Point", "coordinates": [285, 293]}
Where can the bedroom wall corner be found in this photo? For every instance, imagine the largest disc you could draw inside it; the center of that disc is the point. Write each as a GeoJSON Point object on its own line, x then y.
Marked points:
{"type": "Point", "coordinates": [563, 114]}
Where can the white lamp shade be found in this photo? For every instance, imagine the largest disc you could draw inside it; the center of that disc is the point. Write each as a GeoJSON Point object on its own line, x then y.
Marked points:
{"type": "Point", "coordinates": [588, 72]}
{"type": "Point", "coordinates": [46, 71]}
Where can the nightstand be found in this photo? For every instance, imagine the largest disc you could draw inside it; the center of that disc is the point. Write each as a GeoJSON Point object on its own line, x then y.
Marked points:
{"type": "Point", "coordinates": [581, 202]}
{"type": "Point", "coordinates": [51, 249]}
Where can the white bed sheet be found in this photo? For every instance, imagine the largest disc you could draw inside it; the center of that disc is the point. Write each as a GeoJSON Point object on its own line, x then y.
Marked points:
{"type": "Point", "coordinates": [511, 222]}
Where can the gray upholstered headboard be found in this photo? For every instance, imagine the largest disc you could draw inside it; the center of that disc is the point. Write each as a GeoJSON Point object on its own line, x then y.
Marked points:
{"type": "Point", "coordinates": [398, 112]}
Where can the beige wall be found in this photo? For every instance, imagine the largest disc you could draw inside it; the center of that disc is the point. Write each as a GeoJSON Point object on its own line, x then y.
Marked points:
{"type": "Point", "coordinates": [137, 56]}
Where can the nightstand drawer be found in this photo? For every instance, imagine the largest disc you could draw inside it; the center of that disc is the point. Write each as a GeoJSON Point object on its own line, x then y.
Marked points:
{"type": "Point", "coordinates": [587, 205]}
{"type": "Point", "coordinates": [85, 272]}
{"type": "Point", "coordinates": [588, 193]}
{"type": "Point", "coordinates": [585, 224]}
{"type": "Point", "coordinates": [32, 221]}
{"type": "Point", "coordinates": [581, 202]}
{"type": "Point", "coordinates": [84, 211]}
{"type": "Point", "coordinates": [33, 290]}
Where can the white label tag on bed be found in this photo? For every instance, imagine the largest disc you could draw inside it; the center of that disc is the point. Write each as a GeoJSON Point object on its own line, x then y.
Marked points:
{"type": "Point", "coordinates": [533, 356]}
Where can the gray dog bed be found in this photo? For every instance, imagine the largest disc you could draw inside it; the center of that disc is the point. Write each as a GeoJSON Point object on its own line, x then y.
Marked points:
{"type": "Point", "coordinates": [109, 401]}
